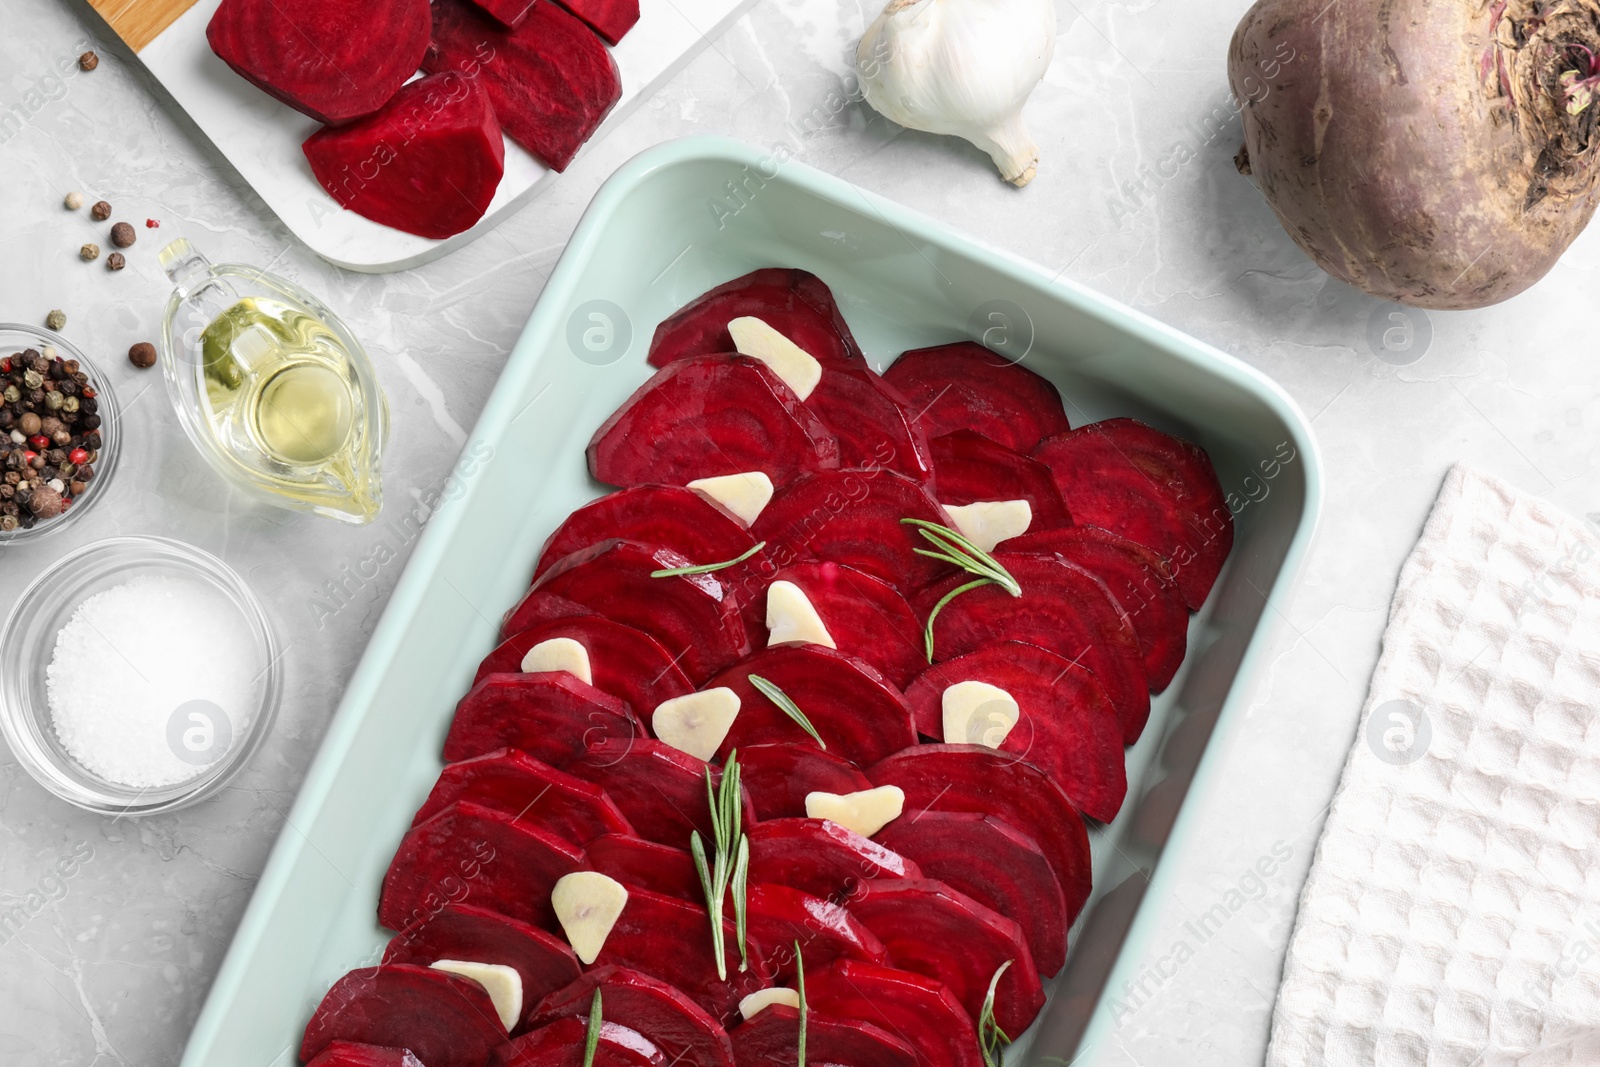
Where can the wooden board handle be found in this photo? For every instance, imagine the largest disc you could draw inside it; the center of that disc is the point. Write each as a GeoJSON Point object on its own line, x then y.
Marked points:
{"type": "Point", "coordinates": [138, 22]}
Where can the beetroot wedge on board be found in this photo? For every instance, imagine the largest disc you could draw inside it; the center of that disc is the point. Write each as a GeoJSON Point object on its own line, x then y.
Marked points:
{"type": "Point", "coordinates": [918, 1009]}
{"type": "Point", "coordinates": [820, 857]}
{"type": "Point", "coordinates": [709, 416]}
{"type": "Point", "coordinates": [670, 939]}
{"type": "Point", "coordinates": [624, 662]}
{"type": "Point", "coordinates": [356, 1054]}
{"type": "Point", "coordinates": [1063, 608]}
{"type": "Point", "coordinates": [1140, 584]}
{"type": "Point", "coordinates": [441, 178]}
{"type": "Point", "coordinates": [335, 60]}
{"type": "Point", "coordinates": [796, 303]}
{"type": "Point", "coordinates": [873, 422]}
{"type": "Point", "coordinates": [661, 790]}
{"type": "Point", "coordinates": [526, 788]}
{"type": "Point", "coordinates": [478, 935]}
{"type": "Point", "coordinates": [667, 515]}
{"type": "Point", "coordinates": [853, 517]}
{"type": "Point", "coordinates": [679, 1027]}
{"type": "Point", "coordinates": [1150, 487]}
{"type": "Point", "coordinates": [936, 931]}
{"type": "Point", "coordinates": [772, 1039]}
{"type": "Point", "coordinates": [778, 776]}
{"type": "Point", "coordinates": [509, 13]}
{"type": "Point", "coordinates": [866, 617]}
{"type": "Point", "coordinates": [964, 386]}
{"type": "Point", "coordinates": [475, 854]}
{"type": "Point", "coordinates": [611, 19]}
{"type": "Point", "coordinates": [444, 1019]}
{"type": "Point", "coordinates": [551, 716]}
{"type": "Point", "coordinates": [975, 778]}
{"type": "Point", "coordinates": [562, 1044]}
{"type": "Point", "coordinates": [695, 617]}
{"type": "Point", "coordinates": [779, 915]}
{"type": "Point", "coordinates": [995, 864]}
{"type": "Point", "coordinates": [551, 80]}
{"type": "Point", "coordinates": [857, 713]}
{"type": "Point", "coordinates": [1067, 726]}
{"type": "Point", "coordinates": [969, 468]}
{"type": "Point", "coordinates": [646, 864]}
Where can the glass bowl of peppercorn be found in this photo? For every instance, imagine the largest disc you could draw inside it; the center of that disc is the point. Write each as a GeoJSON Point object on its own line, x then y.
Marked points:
{"type": "Point", "coordinates": [58, 435]}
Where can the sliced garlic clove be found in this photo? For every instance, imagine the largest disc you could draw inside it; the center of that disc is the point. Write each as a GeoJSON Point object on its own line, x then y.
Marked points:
{"type": "Point", "coordinates": [866, 812]}
{"type": "Point", "coordinates": [977, 713]}
{"type": "Point", "coordinates": [743, 494]}
{"type": "Point", "coordinates": [504, 985]}
{"type": "Point", "coordinates": [751, 1005]}
{"type": "Point", "coordinates": [696, 723]}
{"type": "Point", "coordinates": [798, 368]}
{"type": "Point", "coordinates": [588, 904]}
{"type": "Point", "coordinates": [792, 617]}
{"type": "Point", "coordinates": [988, 522]}
{"type": "Point", "coordinates": [559, 654]}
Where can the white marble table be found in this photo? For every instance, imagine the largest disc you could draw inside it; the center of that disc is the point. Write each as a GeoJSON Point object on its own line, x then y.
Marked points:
{"type": "Point", "coordinates": [1137, 196]}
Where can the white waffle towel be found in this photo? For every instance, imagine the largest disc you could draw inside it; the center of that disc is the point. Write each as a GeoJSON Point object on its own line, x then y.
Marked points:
{"type": "Point", "coordinates": [1452, 914]}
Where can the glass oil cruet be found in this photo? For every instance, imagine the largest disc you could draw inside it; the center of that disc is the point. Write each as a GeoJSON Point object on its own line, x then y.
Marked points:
{"type": "Point", "coordinates": [272, 388]}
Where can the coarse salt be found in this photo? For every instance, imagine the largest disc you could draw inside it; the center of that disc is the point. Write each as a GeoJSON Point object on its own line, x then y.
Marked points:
{"type": "Point", "coordinates": [125, 663]}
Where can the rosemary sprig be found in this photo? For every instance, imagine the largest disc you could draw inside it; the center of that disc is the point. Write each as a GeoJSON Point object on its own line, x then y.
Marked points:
{"type": "Point", "coordinates": [992, 1040]}
{"type": "Point", "coordinates": [787, 706]}
{"type": "Point", "coordinates": [731, 863]}
{"type": "Point", "coordinates": [707, 568]}
{"type": "Point", "coordinates": [955, 548]}
{"type": "Point", "coordinates": [800, 978]}
{"type": "Point", "coordinates": [592, 1040]}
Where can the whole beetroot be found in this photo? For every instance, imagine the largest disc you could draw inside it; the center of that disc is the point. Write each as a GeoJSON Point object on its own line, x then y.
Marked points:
{"type": "Point", "coordinates": [1441, 153]}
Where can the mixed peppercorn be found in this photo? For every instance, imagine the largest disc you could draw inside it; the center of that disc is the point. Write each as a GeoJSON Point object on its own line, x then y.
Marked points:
{"type": "Point", "coordinates": [49, 436]}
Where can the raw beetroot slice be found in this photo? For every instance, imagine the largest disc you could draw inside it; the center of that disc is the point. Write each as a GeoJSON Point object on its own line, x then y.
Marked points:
{"type": "Point", "coordinates": [444, 1019]}
{"type": "Point", "coordinates": [820, 857]}
{"type": "Point", "coordinates": [667, 515]}
{"type": "Point", "coordinates": [796, 303]}
{"type": "Point", "coordinates": [551, 80]}
{"type": "Point", "coordinates": [695, 617]}
{"type": "Point", "coordinates": [428, 163]}
{"type": "Point", "coordinates": [917, 1009]}
{"type": "Point", "coordinates": [866, 617]}
{"type": "Point", "coordinates": [672, 1022]}
{"type": "Point", "coordinates": [1063, 608]}
{"type": "Point", "coordinates": [611, 19]}
{"type": "Point", "coordinates": [969, 468]}
{"type": "Point", "coordinates": [551, 716]}
{"type": "Point", "coordinates": [526, 788]}
{"type": "Point", "coordinates": [624, 662]}
{"type": "Point", "coordinates": [858, 714]}
{"type": "Point", "coordinates": [933, 930]}
{"type": "Point", "coordinates": [710, 416]}
{"type": "Point", "coordinates": [1140, 584]}
{"type": "Point", "coordinates": [772, 1039]}
{"type": "Point", "coordinates": [508, 13]}
{"type": "Point", "coordinates": [778, 776]}
{"type": "Point", "coordinates": [335, 60]}
{"type": "Point", "coordinates": [975, 778]}
{"type": "Point", "coordinates": [356, 1054]}
{"type": "Point", "coordinates": [964, 386]}
{"type": "Point", "coordinates": [471, 853]}
{"type": "Point", "coordinates": [661, 790]}
{"type": "Point", "coordinates": [1067, 726]}
{"type": "Point", "coordinates": [780, 915]}
{"type": "Point", "coordinates": [646, 864]}
{"type": "Point", "coordinates": [872, 421]}
{"type": "Point", "coordinates": [995, 864]}
{"type": "Point", "coordinates": [853, 517]}
{"type": "Point", "coordinates": [478, 935]}
{"type": "Point", "coordinates": [563, 1042]}
{"type": "Point", "coordinates": [1150, 487]}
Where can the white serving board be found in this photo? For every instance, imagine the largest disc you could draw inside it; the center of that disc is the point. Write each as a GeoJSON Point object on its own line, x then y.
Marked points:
{"type": "Point", "coordinates": [262, 137]}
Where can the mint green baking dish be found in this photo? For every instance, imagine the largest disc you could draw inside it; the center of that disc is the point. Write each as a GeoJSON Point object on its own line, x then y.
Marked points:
{"type": "Point", "coordinates": [677, 220]}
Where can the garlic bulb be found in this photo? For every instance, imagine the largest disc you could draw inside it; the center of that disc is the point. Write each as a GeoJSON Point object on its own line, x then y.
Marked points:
{"type": "Point", "coordinates": [962, 67]}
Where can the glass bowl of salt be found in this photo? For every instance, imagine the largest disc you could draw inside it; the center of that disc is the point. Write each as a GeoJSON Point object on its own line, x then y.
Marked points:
{"type": "Point", "coordinates": [137, 675]}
